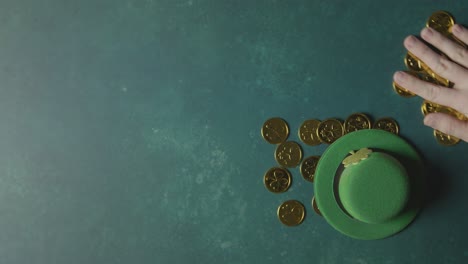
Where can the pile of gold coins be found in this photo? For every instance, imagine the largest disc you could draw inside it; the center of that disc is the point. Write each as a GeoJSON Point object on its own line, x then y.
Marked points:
{"type": "Point", "coordinates": [289, 154]}
{"type": "Point", "coordinates": [442, 22]}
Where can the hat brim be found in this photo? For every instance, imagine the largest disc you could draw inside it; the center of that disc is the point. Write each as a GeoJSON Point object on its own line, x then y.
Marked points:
{"type": "Point", "coordinates": [329, 164]}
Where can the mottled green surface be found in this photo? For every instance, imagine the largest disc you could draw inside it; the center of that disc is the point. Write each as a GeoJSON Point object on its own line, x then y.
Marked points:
{"type": "Point", "coordinates": [130, 129]}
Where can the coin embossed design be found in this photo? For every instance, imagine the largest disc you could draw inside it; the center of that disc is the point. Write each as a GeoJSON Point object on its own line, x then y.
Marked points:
{"type": "Point", "coordinates": [277, 180]}
{"type": "Point", "coordinates": [413, 63]}
{"type": "Point", "coordinates": [308, 132]}
{"type": "Point", "coordinates": [419, 69]}
{"type": "Point", "coordinates": [442, 22]}
{"type": "Point", "coordinates": [315, 207]}
{"type": "Point", "coordinates": [288, 154]}
{"type": "Point", "coordinates": [387, 124]}
{"type": "Point", "coordinates": [402, 91]}
{"type": "Point", "coordinates": [291, 213]}
{"type": "Point", "coordinates": [444, 139]}
{"type": "Point", "coordinates": [330, 130]}
{"type": "Point", "coordinates": [275, 130]}
{"type": "Point", "coordinates": [430, 107]}
{"type": "Point", "coordinates": [357, 121]}
{"type": "Point", "coordinates": [308, 167]}
{"type": "Point", "coordinates": [429, 76]}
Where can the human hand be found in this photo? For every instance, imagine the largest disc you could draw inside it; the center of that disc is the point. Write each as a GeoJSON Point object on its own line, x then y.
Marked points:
{"type": "Point", "coordinates": [454, 69]}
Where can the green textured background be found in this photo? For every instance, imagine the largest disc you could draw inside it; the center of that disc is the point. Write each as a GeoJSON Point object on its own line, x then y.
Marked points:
{"type": "Point", "coordinates": [130, 130]}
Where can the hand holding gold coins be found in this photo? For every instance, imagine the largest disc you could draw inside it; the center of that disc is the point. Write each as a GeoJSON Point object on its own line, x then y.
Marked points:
{"type": "Point", "coordinates": [442, 22]}
{"type": "Point", "coordinates": [289, 154]}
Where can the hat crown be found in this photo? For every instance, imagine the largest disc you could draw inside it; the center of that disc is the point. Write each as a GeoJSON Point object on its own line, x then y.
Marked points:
{"type": "Point", "coordinates": [375, 189]}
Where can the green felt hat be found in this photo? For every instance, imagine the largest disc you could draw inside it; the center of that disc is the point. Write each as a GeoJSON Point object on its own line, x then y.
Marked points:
{"type": "Point", "coordinates": [369, 184]}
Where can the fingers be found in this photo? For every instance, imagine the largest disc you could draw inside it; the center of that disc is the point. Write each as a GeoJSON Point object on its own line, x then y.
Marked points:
{"type": "Point", "coordinates": [456, 52]}
{"type": "Point", "coordinates": [439, 64]}
{"type": "Point", "coordinates": [461, 33]}
{"type": "Point", "coordinates": [448, 125]}
{"type": "Point", "coordinates": [434, 93]}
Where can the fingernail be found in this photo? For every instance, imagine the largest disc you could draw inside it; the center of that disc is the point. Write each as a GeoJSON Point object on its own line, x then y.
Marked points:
{"type": "Point", "coordinates": [399, 76]}
{"type": "Point", "coordinates": [410, 41]}
{"type": "Point", "coordinates": [457, 28]}
{"type": "Point", "coordinates": [429, 120]}
{"type": "Point", "coordinates": [427, 32]}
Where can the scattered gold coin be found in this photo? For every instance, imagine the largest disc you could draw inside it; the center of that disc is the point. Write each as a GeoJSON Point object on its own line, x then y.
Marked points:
{"type": "Point", "coordinates": [308, 132]}
{"type": "Point", "coordinates": [330, 130]}
{"type": "Point", "coordinates": [308, 167]}
{"type": "Point", "coordinates": [275, 130]}
{"type": "Point", "coordinates": [444, 139]}
{"type": "Point", "coordinates": [291, 213]}
{"type": "Point", "coordinates": [277, 180]}
{"type": "Point", "coordinates": [442, 22]}
{"type": "Point", "coordinates": [357, 121]}
{"type": "Point", "coordinates": [387, 124]}
{"type": "Point", "coordinates": [315, 207]}
{"type": "Point", "coordinates": [288, 154]}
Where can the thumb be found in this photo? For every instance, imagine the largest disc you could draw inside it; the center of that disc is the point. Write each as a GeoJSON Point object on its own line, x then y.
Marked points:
{"type": "Point", "coordinates": [448, 125]}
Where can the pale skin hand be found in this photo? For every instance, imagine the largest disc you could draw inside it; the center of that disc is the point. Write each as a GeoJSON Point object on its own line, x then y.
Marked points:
{"type": "Point", "coordinates": [456, 71]}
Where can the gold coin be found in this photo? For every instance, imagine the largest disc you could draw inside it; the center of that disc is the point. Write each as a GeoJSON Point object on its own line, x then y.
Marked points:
{"type": "Point", "coordinates": [275, 130]}
{"type": "Point", "coordinates": [430, 107]}
{"type": "Point", "coordinates": [429, 76]}
{"type": "Point", "coordinates": [308, 167]}
{"type": "Point", "coordinates": [413, 63]}
{"type": "Point", "coordinates": [402, 91]}
{"type": "Point", "coordinates": [444, 139]}
{"type": "Point", "coordinates": [315, 207]}
{"type": "Point", "coordinates": [288, 154]}
{"type": "Point", "coordinates": [330, 130]}
{"type": "Point", "coordinates": [277, 180]}
{"type": "Point", "coordinates": [419, 69]}
{"type": "Point", "coordinates": [442, 22]}
{"type": "Point", "coordinates": [357, 121]}
{"type": "Point", "coordinates": [387, 124]}
{"type": "Point", "coordinates": [291, 213]}
{"type": "Point", "coordinates": [308, 132]}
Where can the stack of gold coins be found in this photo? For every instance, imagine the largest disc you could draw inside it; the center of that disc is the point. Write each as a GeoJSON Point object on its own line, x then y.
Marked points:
{"type": "Point", "coordinates": [442, 22]}
{"type": "Point", "coordinates": [289, 154]}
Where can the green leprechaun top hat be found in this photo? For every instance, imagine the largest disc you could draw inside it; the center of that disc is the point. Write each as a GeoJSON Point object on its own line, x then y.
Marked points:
{"type": "Point", "coordinates": [369, 184]}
